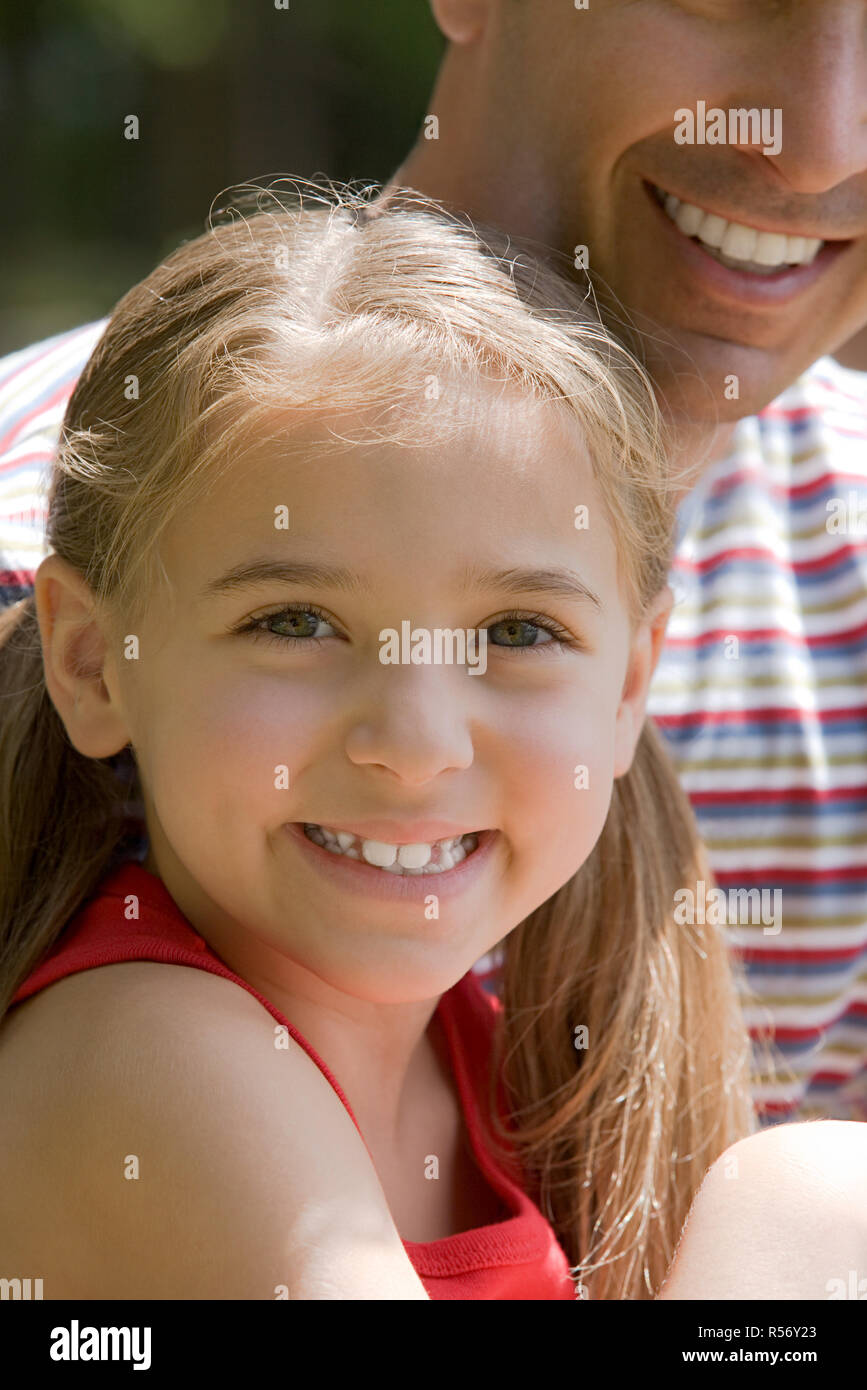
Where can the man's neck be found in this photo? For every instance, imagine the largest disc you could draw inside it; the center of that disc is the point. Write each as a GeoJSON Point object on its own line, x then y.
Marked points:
{"type": "Point", "coordinates": [468, 183]}
{"type": "Point", "coordinates": [695, 447]}
{"type": "Point", "coordinates": [692, 454]}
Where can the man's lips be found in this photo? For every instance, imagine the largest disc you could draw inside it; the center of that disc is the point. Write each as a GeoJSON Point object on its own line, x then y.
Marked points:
{"type": "Point", "coordinates": [756, 219]}
{"type": "Point", "coordinates": [741, 287]}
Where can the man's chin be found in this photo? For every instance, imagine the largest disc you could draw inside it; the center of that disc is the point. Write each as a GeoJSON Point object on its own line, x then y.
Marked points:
{"type": "Point", "coordinates": [721, 384]}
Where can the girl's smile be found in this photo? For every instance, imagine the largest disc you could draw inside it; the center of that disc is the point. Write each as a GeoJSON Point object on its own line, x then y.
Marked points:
{"type": "Point", "coordinates": [413, 885]}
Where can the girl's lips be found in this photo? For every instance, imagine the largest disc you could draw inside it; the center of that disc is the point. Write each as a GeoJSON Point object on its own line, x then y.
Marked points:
{"type": "Point", "coordinates": [739, 286]}
{"type": "Point", "coordinates": [356, 876]}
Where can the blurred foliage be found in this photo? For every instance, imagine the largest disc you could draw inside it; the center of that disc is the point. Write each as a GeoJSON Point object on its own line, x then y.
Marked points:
{"type": "Point", "coordinates": [164, 32]}
{"type": "Point", "coordinates": [224, 90]}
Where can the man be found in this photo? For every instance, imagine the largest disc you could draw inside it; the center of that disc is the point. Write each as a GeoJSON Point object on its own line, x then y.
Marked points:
{"type": "Point", "coordinates": [707, 161]}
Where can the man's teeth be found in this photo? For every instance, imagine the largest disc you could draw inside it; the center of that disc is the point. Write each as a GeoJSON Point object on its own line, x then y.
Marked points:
{"type": "Point", "coordinates": [435, 858]}
{"type": "Point", "coordinates": [738, 246]}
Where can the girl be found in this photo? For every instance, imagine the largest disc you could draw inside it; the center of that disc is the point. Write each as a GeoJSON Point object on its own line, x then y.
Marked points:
{"type": "Point", "coordinates": [311, 448]}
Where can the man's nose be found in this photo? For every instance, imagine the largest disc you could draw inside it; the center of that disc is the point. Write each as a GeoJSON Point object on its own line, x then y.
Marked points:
{"type": "Point", "coordinates": [819, 83]}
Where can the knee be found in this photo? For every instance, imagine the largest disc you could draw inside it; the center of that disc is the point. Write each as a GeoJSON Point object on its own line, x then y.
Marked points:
{"type": "Point", "coordinates": [781, 1214]}
{"type": "Point", "coordinates": [806, 1162]}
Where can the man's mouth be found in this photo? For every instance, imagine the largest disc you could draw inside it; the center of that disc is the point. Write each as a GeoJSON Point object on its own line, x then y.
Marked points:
{"type": "Point", "coordinates": [735, 244]}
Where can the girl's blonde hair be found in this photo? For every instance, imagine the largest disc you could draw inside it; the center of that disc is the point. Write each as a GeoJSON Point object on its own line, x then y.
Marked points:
{"type": "Point", "coordinates": [314, 300]}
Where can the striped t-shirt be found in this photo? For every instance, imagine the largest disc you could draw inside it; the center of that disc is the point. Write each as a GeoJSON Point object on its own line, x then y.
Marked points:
{"type": "Point", "coordinates": [761, 693]}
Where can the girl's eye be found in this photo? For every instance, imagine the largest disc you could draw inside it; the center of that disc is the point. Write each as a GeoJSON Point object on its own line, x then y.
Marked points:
{"type": "Point", "coordinates": [299, 625]}
{"type": "Point", "coordinates": [520, 631]}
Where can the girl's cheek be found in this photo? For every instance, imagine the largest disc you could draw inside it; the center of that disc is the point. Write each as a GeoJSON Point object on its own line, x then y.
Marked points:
{"type": "Point", "coordinates": [555, 774]}
{"type": "Point", "coordinates": [543, 756]}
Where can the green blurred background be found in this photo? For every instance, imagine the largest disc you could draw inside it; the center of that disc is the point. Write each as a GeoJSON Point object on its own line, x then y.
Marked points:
{"type": "Point", "coordinates": [225, 91]}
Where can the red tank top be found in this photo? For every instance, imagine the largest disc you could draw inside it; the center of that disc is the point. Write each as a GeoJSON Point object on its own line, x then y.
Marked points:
{"type": "Point", "coordinates": [516, 1258]}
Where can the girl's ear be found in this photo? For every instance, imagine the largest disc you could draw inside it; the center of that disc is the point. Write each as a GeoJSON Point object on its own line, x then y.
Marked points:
{"type": "Point", "coordinates": [461, 21]}
{"type": "Point", "coordinates": [74, 652]}
{"type": "Point", "coordinates": [644, 654]}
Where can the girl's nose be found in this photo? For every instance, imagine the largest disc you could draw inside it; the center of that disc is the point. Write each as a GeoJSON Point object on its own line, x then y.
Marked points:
{"type": "Point", "coordinates": [415, 721]}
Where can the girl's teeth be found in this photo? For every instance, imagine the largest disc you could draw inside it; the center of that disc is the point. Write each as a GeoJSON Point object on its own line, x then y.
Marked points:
{"type": "Point", "coordinates": [375, 852]}
{"type": "Point", "coordinates": [737, 245]}
{"type": "Point", "coordinates": [397, 859]}
{"type": "Point", "coordinates": [413, 856]}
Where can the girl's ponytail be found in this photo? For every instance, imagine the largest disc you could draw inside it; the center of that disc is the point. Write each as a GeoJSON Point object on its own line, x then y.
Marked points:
{"type": "Point", "coordinates": [61, 813]}
{"type": "Point", "coordinates": [623, 1039]}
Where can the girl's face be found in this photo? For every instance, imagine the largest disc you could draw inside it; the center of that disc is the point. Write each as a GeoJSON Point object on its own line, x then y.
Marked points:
{"type": "Point", "coordinates": [257, 707]}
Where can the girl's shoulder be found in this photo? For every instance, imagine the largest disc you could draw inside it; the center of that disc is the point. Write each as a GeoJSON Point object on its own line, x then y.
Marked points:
{"type": "Point", "coordinates": [83, 1026]}
{"type": "Point", "coordinates": [150, 1127]}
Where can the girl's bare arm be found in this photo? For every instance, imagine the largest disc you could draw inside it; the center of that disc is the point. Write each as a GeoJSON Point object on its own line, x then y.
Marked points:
{"type": "Point", "coordinates": [175, 1153]}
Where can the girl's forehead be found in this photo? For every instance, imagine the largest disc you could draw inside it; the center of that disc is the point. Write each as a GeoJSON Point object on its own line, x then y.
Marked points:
{"type": "Point", "coordinates": [514, 494]}
{"type": "Point", "coordinates": [512, 473]}
{"type": "Point", "coordinates": [484, 434]}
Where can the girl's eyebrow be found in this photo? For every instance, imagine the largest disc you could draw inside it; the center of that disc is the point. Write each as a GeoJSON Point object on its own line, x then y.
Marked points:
{"type": "Point", "coordinates": [556, 583]}
{"type": "Point", "coordinates": [257, 572]}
